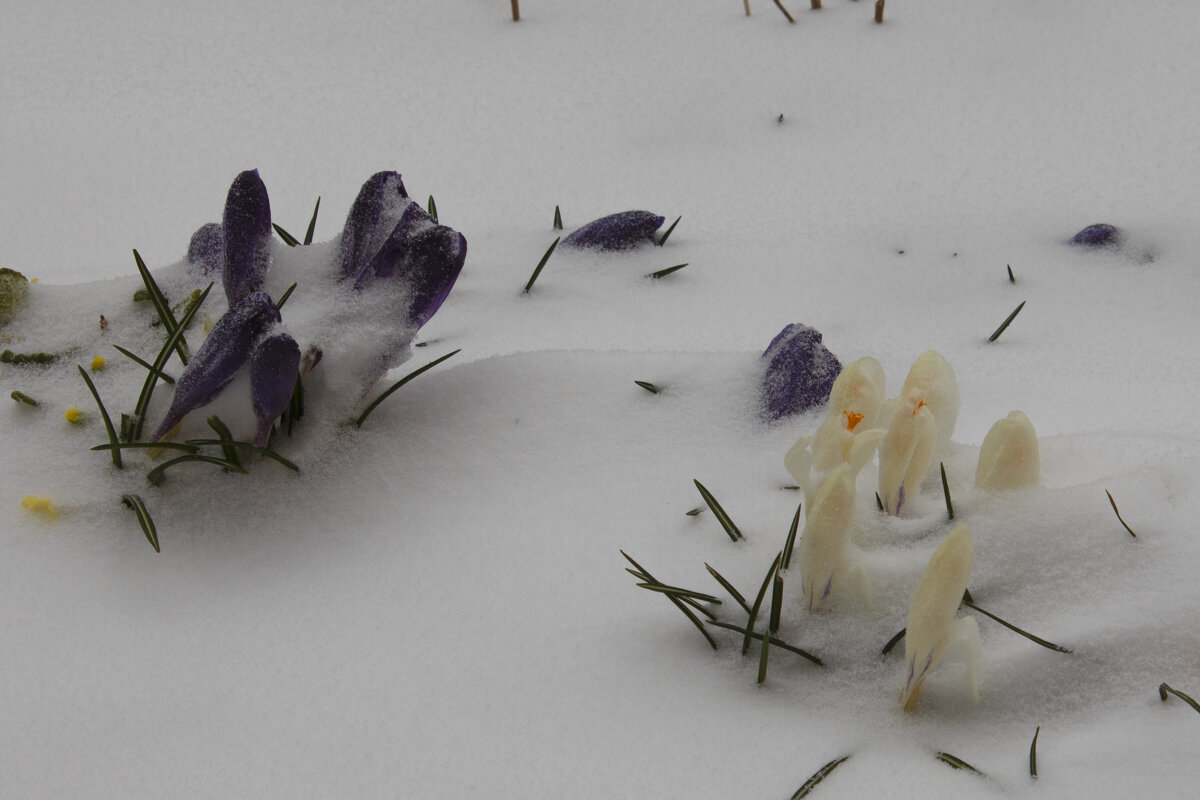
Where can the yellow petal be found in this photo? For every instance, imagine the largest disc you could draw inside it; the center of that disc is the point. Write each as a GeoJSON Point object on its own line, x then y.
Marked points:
{"type": "Point", "coordinates": [97, 363]}
{"type": "Point", "coordinates": [39, 505]}
{"type": "Point", "coordinates": [73, 415]}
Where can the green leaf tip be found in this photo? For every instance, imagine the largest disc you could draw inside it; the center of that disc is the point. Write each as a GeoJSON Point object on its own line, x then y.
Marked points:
{"type": "Point", "coordinates": [1004, 325]}
{"type": "Point", "coordinates": [818, 776]}
{"type": "Point", "coordinates": [387, 392]}
{"type": "Point", "coordinates": [670, 230]}
{"type": "Point", "coordinates": [662, 273]}
{"type": "Point", "coordinates": [1162, 695]}
{"type": "Point", "coordinates": [134, 502]}
{"type": "Point", "coordinates": [730, 528]}
{"type": "Point", "coordinates": [538, 269]}
{"type": "Point", "coordinates": [1117, 511]}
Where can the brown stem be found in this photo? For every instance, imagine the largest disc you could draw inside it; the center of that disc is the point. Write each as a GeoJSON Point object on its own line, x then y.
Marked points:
{"type": "Point", "coordinates": [779, 3]}
{"type": "Point", "coordinates": [746, 3]}
{"type": "Point", "coordinates": [879, 10]}
{"type": "Point", "coordinates": [516, 5]}
{"type": "Point", "coordinates": [816, 4]}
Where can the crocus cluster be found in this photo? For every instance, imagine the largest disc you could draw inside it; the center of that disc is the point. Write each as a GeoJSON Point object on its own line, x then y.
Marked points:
{"type": "Point", "coordinates": [393, 268]}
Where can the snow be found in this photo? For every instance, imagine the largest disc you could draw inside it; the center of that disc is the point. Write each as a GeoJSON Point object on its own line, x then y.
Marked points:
{"type": "Point", "coordinates": [436, 605]}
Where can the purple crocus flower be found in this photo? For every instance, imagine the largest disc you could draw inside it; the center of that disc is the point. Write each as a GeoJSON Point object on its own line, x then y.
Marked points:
{"type": "Point", "coordinates": [800, 372]}
{"type": "Point", "coordinates": [206, 251]}
{"type": "Point", "coordinates": [434, 259]}
{"type": "Point", "coordinates": [274, 367]}
{"type": "Point", "coordinates": [379, 206]}
{"type": "Point", "coordinates": [1099, 235]}
{"type": "Point", "coordinates": [390, 255]}
{"type": "Point", "coordinates": [617, 231]}
{"type": "Point", "coordinates": [223, 353]}
{"type": "Point", "coordinates": [247, 227]}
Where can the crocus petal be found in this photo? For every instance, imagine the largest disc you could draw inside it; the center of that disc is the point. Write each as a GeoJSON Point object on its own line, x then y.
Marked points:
{"type": "Point", "coordinates": [380, 204]}
{"type": "Point", "coordinates": [932, 377]}
{"type": "Point", "coordinates": [1009, 458]}
{"type": "Point", "coordinates": [223, 353]}
{"type": "Point", "coordinates": [800, 372]}
{"type": "Point", "coordinates": [247, 229]}
{"type": "Point", "coordinates": [858, 389]}
{"type": "Point", "coordinates": [825, 545]}
{"type": "Point", "coordinates": [206, 251]}
{"type": "Point", "coordinates": [1099, 235]}
{"type": "Point", "coordinates": [932, 626]}
{"type": "Point", "coordinates": [906, 451]}
{"type": "Point", "coordinates": [435, 258]}
{"type": "Point", "coordinates": [274, 367]}
{"type": "Point", "coordinates": [390, 256]}
{"type": "Point", "coordinates": [617, 231]}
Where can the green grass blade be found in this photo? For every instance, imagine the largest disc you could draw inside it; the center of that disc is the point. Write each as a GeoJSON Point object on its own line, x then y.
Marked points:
{"type": "Point", "coordinates": [362, 417]}
{"type": "Point", "coordinates": [164, 377]}
{"type": "Point", "coordinates": [727, 586]}
{"type": "Point", "coordinates": [312, 225]}
{"type": "Point", "coordinates": [1033, 753]}
{"type": "Point", "coordinates": [764, 652]}
{"type": "Point", "coordinates": [671, 229]}
{"type": "Point", "coordinates": [1011, 278]}
{"type": "Point", "coordinates": [776, 600]}
{"type": "Point", "coordinates": [226, 437]}
{"type": "Point", "coordinates": [284, 297]}
{"type": "Point", "coordinates": [157, 475]}
{"type": "Point", "coordinates": [186, 448]}
{"type": "Point", "coordinates": [649, 387]}
{"type": "Point", "coordinates": [1117, 511]}
{"type": "Point", "coordinates": [432, 207]}
{"type": "Point", "coordinates": [774, 642]}
{"type": "Point", "coordinates": [719, 512]}
{"type": "Point", "coordinates": [958, 763]}
{"type": "Point", "coordinates": [642, 572]}
{"type": "Point", "coordinates": [1015, 629]}
{"type": "Point", "coordinates": [946, 492]}
{"type": "Point", "coordinates": [1162, 695]}
{"type": "Point", "coordinates": [108, 426]}
{"type": "Point", "coordinates": [790, 545]}
{"type": "Point", "coordinates": [754, 609]}
{"type": "Point", "coordinates": [21, 397]}
{"type": "Point", "coordinates": [677, 591]}
{"type": "Point", "coordinates": [288, 239]}
{"type": "Point", "coordinates": [818, 776]}
{"type": "Point", "coordinates": [237, 445]}
{"type": "Point", "coordinates": [134, 502]}
{"type": "Point", "coordinates": [695, 621]}
{"type": "Point", "coordinates": [662, 273]}
{"type": "Point", "coordinates": [558, 226]}
{"type": "Point", "coordinates": [161, 306]}
{"type": "Point", "coordinates": [1004, 325]}
{"type": "Point", "coordinates": [538, 269]}
{"type": "Point", "coordinates": [139, 411]}
{"type": "Point", "coordinates": [892, 642]}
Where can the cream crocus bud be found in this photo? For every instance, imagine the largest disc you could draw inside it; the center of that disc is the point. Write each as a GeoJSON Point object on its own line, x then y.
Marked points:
{"type": "Point", "coordinates": [906, 450]}
{"type": "Point", "coordinates": [932, 377]}
{"type": "Point", "coordinates": [1009, 456]}
{"type": "Point", "coordinates": [858, 391]}
{"type": "Point", "coordinates": [933, 628]}
{"type": "Point", "coordinates": [826, 554]}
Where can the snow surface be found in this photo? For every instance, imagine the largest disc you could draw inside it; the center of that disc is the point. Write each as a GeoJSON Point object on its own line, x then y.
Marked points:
{"type": "Point", "coordinates": [436, 605]}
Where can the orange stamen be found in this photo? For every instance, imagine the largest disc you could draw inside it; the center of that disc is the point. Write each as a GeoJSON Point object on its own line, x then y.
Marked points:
{"type": "Point", "coordinates": [920, 405]}
{"type": "Point", "coordinates": [852, 419]}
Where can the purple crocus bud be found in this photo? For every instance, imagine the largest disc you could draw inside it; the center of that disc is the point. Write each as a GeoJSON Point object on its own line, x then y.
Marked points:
{"type": "Point", "coordinates": [800, 372]}
{"type": "Point", "coordinates": [391, 255]}
{"type": "Point", "coordinates": [206, 251]}
{"type": "Point", "coordinates": [274, 367]}
{"type": "Point", "coordinates": [380, 204]}
{"type": "Point", "coordinates": [617, 231]}
{"type": "Point", "coordinates": [247, 226]}
{"type": "Point", "coordinates": [431, 266]}
{"type": "Point", "coordinates": [223, 353]}
{"type": "Point", "coordinates": [1099, 235]}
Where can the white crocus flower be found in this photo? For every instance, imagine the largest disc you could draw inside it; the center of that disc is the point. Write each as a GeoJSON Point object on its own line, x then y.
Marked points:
{"type": "Point", "coordinates": [858, 391]}
{"type": "Point", "coordinates": [932, 377]}
{"type": "Point", "coordinates": [906, 450]}
{"type": "Point", "coordinates": [933, 629]}
{"type": "Point", "coordinates": [827, 556]}
{"type": "Point", "coordinates": [1008, 458]}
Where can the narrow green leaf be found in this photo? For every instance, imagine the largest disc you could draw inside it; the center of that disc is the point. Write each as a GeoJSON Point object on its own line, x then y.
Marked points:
{"type": "Point", "coordinates": [432, 206]}
{"type": "Point", "coordinates": [558, 226]}
{"type": "Point", "coordinates": [1118, 513]}
{"type": "Point", "coordinates": [662, 273]}
{"type": "Point", "coordinates": [779, 5]}
{"type": "Point", "coordinates": [238, 445]}
{"type": "Point", "coordinates": [649, 387]}
{"type": "Point", "coordinates": [763, 654]}
{"type": "Point", "coordinates": [791, 537]}
{"type": "Point", "coordinates": [818, 776]}
{"type": "Point", "coordinates": [774, 642]}
{"type": "Point", "coordinates": [1033, 753]}
{"type": "Point", "coordinates": [667, 235]}
{"type": "Point", "coordinates": [878, 502]}
{"type": "Point", "coordinates": [642, 572]}
{"type": "Point", "coordinates": [722, 517]}
{"type": "Point", "coordinates": [1004, 325]}
{"type": "Point", "coordinates": [362, 417]}
{"type": "Point", "coordinates": [164, 377]}
{"type": "Point", "coordinates": [727, 586]}
{"type": "Point", "coordinates": [892, 642]}
{"type": "Point", "coordinates": [288, 239]}
{"type": "Point", "coordinates": [958, 763]}
{"type": "Point", "coordinates": [108, 426]}
{"type": "Point", "coordinates": [156, 475]}
{"type": "Point", "coordinates": [21, 397]}
{"type": "Point", "coordinates": [186, 448]}
{"type": "Point", "coordinates": [538, 269]}
{"type": "Point", "coordinates": [776, 601]}
{"type": "Point", "coordinates": [284, 297]}
{"type": "Point", "coordinates": [677, 591]}
{"type": "Point", "coordinates": [1011, 277]}
{"type": "Point", "coordinates": [946, 491]}
{"type": "Point", "coordinates": [225, 439]}
{"type": "Point", "coordinates": [695, 512]}
{"type": "Point", "coordinates": [1162, 694]}
{"type": "Point", "coordinates": [1015, 629]}
{"type": "Point", "coordinates": [312, 228]}
{"type": "Point", "coordinates": [134, 502]}
{"type": "Point", "coordinates": [754, 609]}
{"type": "Point", "coordinates": [161, 306]}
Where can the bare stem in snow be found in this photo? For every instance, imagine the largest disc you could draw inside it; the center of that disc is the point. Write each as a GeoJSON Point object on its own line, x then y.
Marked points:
{"type": "Point", "coordinates": [516, 6]}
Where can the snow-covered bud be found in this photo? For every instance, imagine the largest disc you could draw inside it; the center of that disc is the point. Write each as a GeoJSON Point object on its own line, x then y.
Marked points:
{"type": "Point", "coordinates": [379, 205]}
{"type": "Point", "coordinates": [800, 372]}
{"type": "Point", "coordinates": [206, 250]}
{"type": "Point", "coordinates": [247, 229]}
{"type": "Point", "coordinates": [1009, 458]}
{"type": "Point", "coordinates": [616, 231]}
{"type": "Point", "coordinates": [826, 553]}
{"type": "Point", "coordinates": [274, 367]}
